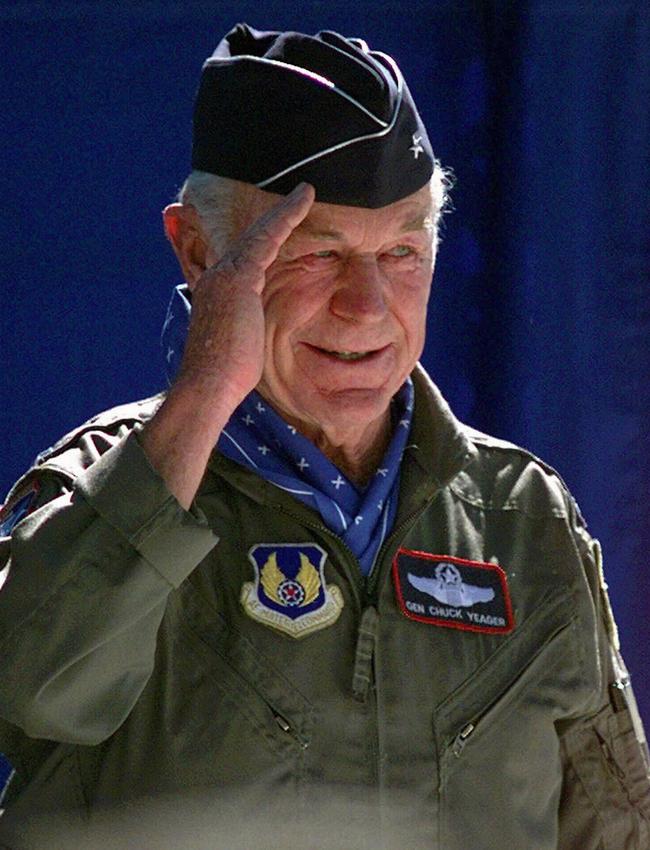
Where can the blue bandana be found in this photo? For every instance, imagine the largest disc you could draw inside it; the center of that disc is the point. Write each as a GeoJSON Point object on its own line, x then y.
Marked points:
{"type": "Point", "coordinates": [257, 437]}
{"type": "Point", "coordinates": [7, 773]}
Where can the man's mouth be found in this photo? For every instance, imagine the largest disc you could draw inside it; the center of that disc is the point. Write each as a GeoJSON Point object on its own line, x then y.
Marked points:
{"type": "Point", "coordinates": [345, 355]}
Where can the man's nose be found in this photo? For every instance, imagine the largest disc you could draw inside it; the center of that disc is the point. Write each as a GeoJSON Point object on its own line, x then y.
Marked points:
{"type": "Point", "coordinates": [361, 291]}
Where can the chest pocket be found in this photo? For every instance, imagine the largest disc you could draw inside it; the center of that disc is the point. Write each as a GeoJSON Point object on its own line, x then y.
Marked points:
{"type": "Point", "coordinates": [497, 746]}
{"type": "Point", "coordinates": [251, 714]}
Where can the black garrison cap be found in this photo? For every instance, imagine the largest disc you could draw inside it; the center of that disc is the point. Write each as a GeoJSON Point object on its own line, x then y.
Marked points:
{"type": "Point", "coordinates": [276, 108]}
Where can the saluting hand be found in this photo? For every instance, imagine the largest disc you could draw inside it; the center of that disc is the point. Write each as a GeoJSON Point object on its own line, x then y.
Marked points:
{"type": "Point", "coordinates": [224, 352]}
{"type": "Point", "coordinates": [225, 343]}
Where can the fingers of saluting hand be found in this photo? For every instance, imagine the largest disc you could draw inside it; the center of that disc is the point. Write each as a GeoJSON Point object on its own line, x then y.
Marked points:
{"type": "Point", "coordinates": [258, 246]}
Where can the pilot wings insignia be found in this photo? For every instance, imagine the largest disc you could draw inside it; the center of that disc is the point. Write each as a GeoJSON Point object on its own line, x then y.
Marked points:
{"type": "Point", "coordinates": [460, 593]}
{"type": "Point", "coordinates": [449, 588]}
{"type": "Point", "coordinates": [289, 593]}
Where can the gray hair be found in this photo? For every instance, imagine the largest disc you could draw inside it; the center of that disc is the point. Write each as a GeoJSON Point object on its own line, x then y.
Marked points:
{"type": "Point", "coordinates": [216, 200]}
{"type": "Point", "coordinates": [220, 200]}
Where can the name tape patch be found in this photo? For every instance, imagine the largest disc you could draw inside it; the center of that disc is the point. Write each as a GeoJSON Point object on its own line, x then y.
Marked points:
{"type": "Point", "coordinates": [447, 591]}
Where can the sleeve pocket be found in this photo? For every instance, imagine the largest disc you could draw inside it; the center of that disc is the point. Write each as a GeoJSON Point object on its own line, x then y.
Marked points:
{"type": "Point", "coordinates": [605, 802]}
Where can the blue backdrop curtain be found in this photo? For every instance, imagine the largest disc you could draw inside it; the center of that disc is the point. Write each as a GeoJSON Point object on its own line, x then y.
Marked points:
{"type": "Point", "coordinates": [540, 319]}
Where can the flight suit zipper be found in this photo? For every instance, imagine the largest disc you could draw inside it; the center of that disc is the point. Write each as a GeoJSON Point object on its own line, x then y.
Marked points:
{"type": "Point", "coordinates": [469, 728]}
{"type": "Point", "coordinates": [363, 675]}
{"type": "Point", "coordinates": [355, 576]}
{"type": "Point", "coordinates": [462, 738]}
{"type": "Point", "coordinates": [365, 586]}
{"type": "Point", "coordinates": [364, 671]}
{"type": "Point", "coordinates": [373, 579]}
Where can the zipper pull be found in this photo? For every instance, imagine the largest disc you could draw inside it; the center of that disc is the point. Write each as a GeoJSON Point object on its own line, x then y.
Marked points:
{"type": "Point", "coordinates": [461, 739]}
{"type": "Point", "coordinates": [286, 727]}
{"type": "Point", "coordinates": [282, 723]}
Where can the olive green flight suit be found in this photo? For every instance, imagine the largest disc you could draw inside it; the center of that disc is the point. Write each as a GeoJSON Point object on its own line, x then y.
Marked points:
{"type": "Point", "coordinates": [134, 671]}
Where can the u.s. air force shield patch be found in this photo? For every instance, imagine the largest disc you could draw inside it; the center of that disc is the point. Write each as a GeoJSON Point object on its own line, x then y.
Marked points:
{"type": "Point", "coordinates": [289, 592]}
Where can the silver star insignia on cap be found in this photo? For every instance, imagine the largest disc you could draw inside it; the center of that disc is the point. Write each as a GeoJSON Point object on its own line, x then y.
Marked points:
{"type": "Point", "coordinates": [416, 147]}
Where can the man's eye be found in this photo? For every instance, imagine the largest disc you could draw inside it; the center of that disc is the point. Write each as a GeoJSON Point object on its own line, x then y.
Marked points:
{"type": "Point", "coordinates": [400, 251]}
{"type": "Point", "coordinates": [319, 258]}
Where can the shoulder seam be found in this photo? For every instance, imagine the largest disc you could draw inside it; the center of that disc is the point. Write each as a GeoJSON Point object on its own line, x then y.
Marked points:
{"type": "Point", "coordinates": [555, 513]}
{"type": "Point", "coordinates": [485, 441]}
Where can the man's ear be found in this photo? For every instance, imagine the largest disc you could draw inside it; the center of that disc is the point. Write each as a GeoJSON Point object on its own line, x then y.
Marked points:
{"type": "Point", "coordinates": [183, 229]}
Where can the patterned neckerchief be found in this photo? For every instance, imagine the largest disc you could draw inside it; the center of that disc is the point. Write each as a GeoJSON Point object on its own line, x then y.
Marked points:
{"type": "Point", "coordinates": [257, 437]}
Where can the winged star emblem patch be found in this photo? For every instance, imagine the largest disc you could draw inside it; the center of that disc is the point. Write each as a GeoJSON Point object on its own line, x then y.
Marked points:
{"type": "Point", "coordinates": [289, 592]}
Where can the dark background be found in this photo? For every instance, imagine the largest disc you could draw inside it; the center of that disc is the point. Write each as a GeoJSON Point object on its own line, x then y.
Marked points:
{"type": "Point", "coordinates": [540, 319]}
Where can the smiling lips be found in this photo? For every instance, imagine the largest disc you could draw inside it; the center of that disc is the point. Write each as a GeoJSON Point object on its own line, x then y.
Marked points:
{"type": "Point", "coordinates": [347, 356]}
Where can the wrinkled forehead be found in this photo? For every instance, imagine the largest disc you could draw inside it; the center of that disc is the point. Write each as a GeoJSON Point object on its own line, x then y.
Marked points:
{"type": "Point", "coordinates": [335, 222]}
{"type": "Point", "coordinates": [338, 222]}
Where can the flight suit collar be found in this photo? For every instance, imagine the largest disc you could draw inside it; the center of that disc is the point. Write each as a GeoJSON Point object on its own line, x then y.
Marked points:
{"type": "Point", "coordinates": [438, 441]}
{"type": "Point", "coordinates": [438, 448]}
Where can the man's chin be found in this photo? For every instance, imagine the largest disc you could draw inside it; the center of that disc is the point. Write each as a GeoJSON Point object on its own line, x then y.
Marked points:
{"type": "Point", "coordinates": [343, 410]}
{"type": "Point", "coordinates": [349, 408]}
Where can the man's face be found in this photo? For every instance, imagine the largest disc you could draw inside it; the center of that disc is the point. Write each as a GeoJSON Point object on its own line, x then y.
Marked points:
{"type": "Point", "coordinates": [345, 305]}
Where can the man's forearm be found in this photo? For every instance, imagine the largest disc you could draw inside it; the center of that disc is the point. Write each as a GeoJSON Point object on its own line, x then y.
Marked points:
{"type": "Point", "coordinates": [179, 439]}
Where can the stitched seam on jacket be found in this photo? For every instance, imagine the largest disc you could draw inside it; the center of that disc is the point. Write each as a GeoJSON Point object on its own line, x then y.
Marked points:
{"type": "Point", "coordinates": [550, 513]}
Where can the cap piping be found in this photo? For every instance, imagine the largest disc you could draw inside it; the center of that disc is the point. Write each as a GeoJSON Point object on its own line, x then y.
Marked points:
{"type": "Point", "coordinates": [305, 72]}
{"type": "Point", "coordinates": [372, 70]}
{"type": "Point", "coordinates": [400, 91]}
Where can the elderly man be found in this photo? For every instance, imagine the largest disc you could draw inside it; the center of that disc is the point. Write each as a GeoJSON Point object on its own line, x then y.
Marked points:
{"type": "Point", "coordinates": [295, 575]}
